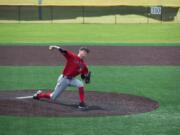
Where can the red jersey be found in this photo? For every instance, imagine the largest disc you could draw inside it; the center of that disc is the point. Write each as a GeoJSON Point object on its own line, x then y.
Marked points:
{"type": "Point", "coordinates": [74, 65]}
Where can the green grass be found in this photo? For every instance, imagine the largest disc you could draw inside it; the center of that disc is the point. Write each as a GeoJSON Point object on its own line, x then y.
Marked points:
{"type": "Point", "coordinates": [156, 82]}
{"type": "Point", "coordinates": [88, 34]}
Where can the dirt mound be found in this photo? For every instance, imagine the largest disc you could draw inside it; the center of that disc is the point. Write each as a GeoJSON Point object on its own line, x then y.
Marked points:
{"type": "Point", "coordinates": [100, 104]}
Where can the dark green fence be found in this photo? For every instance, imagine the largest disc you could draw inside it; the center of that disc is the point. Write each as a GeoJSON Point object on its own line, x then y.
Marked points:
{"type": "Point", "coordinates": [120, 14]}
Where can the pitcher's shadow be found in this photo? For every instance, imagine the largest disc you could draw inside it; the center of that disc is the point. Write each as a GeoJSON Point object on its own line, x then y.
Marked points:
{"type": "Point", "coordinates": [74, 106]}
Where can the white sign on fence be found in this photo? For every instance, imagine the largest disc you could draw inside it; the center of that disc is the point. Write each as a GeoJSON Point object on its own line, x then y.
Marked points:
{"type": "Point", "coordinates": [156, 10]}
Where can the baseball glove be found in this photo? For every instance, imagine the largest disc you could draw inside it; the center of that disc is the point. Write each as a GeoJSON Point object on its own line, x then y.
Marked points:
{"type": "Point", "coordinates": [87, 77]}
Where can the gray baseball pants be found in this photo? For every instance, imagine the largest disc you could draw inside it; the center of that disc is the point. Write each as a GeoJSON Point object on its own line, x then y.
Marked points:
{"type": "Point", "coordinates": [62, 83]}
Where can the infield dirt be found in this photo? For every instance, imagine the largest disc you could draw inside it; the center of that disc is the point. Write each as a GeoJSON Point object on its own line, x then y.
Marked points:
{"type": "Point", "coordinates": [100, 55]}
{"type": "Point", "coordinates": [100, 104]}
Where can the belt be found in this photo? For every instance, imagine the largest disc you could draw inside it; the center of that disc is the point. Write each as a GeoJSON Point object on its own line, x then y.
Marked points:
{"type": "Point", "coordinates": [68, 77]}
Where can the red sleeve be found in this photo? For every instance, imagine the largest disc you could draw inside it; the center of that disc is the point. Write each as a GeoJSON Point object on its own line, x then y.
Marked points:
{"type": "Point", "coordinates": [68, 55]}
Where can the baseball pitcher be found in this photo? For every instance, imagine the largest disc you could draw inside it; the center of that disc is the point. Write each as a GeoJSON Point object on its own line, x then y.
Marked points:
{"type": "Point", "coordinates": [74, 66]}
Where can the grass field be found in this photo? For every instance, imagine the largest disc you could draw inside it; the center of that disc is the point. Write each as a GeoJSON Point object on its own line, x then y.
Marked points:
{"type": "Point", "coordinates": [156, 82]}
{"type": "Point", "coordinates": [160, 83]}
{"type": "Point", "coordinates": [90, 34]}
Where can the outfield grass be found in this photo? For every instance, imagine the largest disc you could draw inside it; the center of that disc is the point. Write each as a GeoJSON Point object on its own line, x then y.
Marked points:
{"type": "Point", "coordinates": [156, 82]}
{"type": "Point", "coordinates": [90, 34]}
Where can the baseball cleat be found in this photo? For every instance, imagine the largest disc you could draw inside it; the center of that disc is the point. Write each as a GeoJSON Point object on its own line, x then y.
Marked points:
{"type": "Point", "coordinates": [35, 96]}
{"type": "Point", "coordinates": [82, 106]}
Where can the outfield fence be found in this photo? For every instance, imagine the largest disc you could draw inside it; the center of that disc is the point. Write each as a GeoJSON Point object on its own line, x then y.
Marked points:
{"type": "Point", "coordinates": [88, 14]}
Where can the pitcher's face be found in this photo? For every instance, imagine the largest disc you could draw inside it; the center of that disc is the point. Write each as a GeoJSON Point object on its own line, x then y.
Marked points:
{"type": "Point", "coordinates": [82, 54]}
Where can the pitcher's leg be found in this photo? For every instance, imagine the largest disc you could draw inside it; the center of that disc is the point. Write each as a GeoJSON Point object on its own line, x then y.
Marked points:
{"type": "Point", "coordinates": [61, 85]}
{"type": "Point", "coordinates": [81, 94]}
{"type": "Point", "coordinates": [77, 83]}
{"type": "Point", "coordinates": [41, 94]}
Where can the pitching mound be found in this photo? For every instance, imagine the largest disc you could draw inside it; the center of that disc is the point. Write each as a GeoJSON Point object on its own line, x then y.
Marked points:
{"type": "Point", "coordinates": [100, 104]}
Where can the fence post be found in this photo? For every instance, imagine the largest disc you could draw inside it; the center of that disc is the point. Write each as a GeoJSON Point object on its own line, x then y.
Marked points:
{"type": "Point", "coordinates": [147, 15]}
{"type": "Point", "coordinates": [161, 14]}
{"type": "Point", "coordinates": [39, 9]}
{"type": "Point", "coordinates": [115, 16]}
{"type": "Point", "coordinates": [51, 10]}
{"type": "Point", "coordinates": [83, 14]}
{"type": "Point", "coordinates": [19, 13]}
